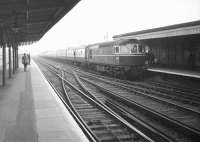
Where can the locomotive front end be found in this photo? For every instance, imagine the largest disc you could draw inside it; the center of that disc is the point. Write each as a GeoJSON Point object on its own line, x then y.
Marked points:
{"type": "Point", "coordinates": [130, 53]}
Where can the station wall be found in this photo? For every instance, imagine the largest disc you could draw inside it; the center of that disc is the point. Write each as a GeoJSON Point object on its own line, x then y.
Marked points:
{"type": "Point", "coordinates": [176, 52]}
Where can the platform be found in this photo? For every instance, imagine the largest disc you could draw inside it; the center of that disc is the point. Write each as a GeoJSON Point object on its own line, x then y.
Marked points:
{"type": "Point", "coordinates": [180, 72]}
{"type": "Point", "coordinates": [30, 111]}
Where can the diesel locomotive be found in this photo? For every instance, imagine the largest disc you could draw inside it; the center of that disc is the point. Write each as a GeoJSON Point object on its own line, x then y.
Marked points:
{"type": "Point", "coordinates": [118, 58]}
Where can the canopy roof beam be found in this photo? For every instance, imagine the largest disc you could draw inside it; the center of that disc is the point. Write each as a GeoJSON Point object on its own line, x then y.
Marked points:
{"type": "Point", "coordinates": [43, 5]}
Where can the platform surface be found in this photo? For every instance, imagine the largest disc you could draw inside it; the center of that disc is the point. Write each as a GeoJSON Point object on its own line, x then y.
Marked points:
{"type": "Point", "coordinates": [31, 112]}
{"type": "Point", "coordinates": [180, 72]}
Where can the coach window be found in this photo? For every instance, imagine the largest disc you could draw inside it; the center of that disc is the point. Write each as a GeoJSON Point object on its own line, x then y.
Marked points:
{"type": "Point", "coordinates": [116, 49]}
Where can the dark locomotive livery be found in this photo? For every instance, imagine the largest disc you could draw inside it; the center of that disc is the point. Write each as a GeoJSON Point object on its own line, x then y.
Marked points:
{"type": "Point", "coordinates": [114, 57]}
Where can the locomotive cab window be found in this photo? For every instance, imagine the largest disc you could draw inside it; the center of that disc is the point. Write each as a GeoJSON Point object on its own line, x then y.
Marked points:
{"type": "Point", "coordinates": [134, 48]}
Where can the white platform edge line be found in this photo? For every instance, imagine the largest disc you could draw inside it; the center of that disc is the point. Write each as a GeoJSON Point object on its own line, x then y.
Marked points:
{"type": "Point", "coordinates": [175, 73]}
{"type": "Point", "coordinates": [51, 90]}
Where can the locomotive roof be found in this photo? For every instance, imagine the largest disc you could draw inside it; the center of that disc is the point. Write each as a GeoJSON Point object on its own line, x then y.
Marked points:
{"type": "Point", "coordinates": [116, 42]}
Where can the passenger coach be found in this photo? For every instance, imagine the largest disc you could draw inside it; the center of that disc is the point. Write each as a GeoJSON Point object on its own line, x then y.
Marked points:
{"type": "Point", "coordinates": [76, 54]}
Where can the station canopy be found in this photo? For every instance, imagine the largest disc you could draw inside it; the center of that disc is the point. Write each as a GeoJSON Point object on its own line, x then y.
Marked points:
{"type": "Point", "coordinates": [29, 20]}
{"type": "Point", "coordinates": [183, 29]}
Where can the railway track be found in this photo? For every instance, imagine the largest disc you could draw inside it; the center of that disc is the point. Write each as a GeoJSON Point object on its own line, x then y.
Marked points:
{"type": "Point", "coordinates": [179, 88]}
{"type": "Point", "coordinates": [165, 114]}
{"type": "Point", "coordinates": [188, 101]}
{"type": "Point", "coordinates": [101, 123]}
{"type": "Point", "coordinates": [172, 126]}
{"type": "Point", "coordinates": [186, 95]}
{"type": "Point", "coordinates": [52, 76]}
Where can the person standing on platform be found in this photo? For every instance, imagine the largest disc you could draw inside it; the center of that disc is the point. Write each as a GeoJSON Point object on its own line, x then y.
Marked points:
{"type": "Point", "coordinates": [25, 61]}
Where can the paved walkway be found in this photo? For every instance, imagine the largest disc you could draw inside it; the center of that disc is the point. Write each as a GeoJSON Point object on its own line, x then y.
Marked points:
{"type": "Point", "coordinates": [31, 112]}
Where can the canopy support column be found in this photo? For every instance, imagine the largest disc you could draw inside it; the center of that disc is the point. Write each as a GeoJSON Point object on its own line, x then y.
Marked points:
{"type": "Point", "coordinates": [13, 51]}
{"type": "Point", "coordinates": [10, 63]}
{"type": "Point", "coordinates": [4, 65]}
{"type": "Point", "coordinates": [4, 39]}
{"type": "Point", "coordinates": [17, 57]}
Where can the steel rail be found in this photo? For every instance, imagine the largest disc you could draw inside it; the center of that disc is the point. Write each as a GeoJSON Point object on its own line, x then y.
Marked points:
{"type": "Point", "coordinates": [181, 125]}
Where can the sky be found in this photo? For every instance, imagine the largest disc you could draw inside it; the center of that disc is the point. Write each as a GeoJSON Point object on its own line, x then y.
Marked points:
{"type": "Point", "coordinates": [92, 21]}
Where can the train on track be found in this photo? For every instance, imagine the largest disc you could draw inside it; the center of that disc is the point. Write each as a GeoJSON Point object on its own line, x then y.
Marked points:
{"type": "Point", "coordinates": [118, 58]}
